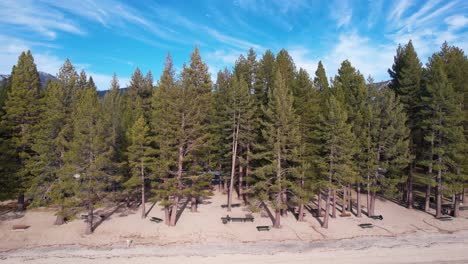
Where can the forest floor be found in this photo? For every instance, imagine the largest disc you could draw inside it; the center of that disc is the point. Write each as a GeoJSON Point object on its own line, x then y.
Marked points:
{"type": "Point", "coordinates": [201, 237]}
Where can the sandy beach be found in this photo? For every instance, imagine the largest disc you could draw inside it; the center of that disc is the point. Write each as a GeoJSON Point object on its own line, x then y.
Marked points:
{"type": "Point", "coordinates": [403, 236]}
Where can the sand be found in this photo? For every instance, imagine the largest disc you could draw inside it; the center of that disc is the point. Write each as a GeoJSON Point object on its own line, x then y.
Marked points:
{"type": "Point", "coordinates": [201, 237]}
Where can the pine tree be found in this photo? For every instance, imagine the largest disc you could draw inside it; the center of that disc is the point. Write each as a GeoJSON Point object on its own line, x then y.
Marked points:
{"type": "Point", "coordinates": [265, 76]}
{"type": "Point", "coordinates": [447, 127]}
{"type": "Point", "coordinates": [113, 107]}
{"type": "Point", "coordinates": [282, 137]}
{"type": "Point", "coordinates": [406, 76]}
{"type": "Point", "coordinates": [21, 115]}
{"type": "Point", "coordinates": [50, 145]}
{"type": "Point", "coordinates": [239, 108]}
{"type": "Point", "coordinates": [164, 124]}
{"type": "Point", "coordinates": [307, 108]}
{"type": "Point", "coordinates": [350, 88]}
{"type": "Point", "coordinates": [139, 157]}
{"type": "Point", "coordinates": [89, 155]}
{"type": "Point", "coordinates": [320, 80]}
{"type": "Point", "coordinates": [188, 111]}
{"type": "Point", "coordinates": [222, 125]}
{"type": "Point", "coordinates": [388, 145]}
{"type": "Point", "coordinates": [7, 153]}
{"type": "Point", "coordinates": [337, 150]}
{"type": "Point", "coordinates": [456, 68]}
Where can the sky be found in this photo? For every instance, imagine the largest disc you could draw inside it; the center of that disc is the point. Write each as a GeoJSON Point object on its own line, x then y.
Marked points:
{"type": "Point", "coordinates": [107, 36]}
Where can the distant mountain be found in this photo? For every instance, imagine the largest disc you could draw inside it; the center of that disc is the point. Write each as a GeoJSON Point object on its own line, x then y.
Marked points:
{"type": "Point", "coordinates": [103, 92]}
{"type": "Point", "coordinates": [43, 77]}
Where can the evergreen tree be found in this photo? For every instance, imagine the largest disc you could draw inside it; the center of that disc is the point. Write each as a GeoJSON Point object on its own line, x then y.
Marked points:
{"type": "Point", "coordinates": [350, 88]}
{"type": "Point", "coordinates": [282, 137]}
{"type": "Point", "coordinates": [239, 108]}
{"type": "Point", "coordinates": [7, 154]}
{"type": "Point", "coordinates": [320, 80]}
{"type": "Point", "coordinates": [189, 111]}
{"type": "Point", "coordinates": [164, 124]}
{"type": "Point", "coordinates": [337, 149]}
{"type": "Point", "coordinates": [21, 115]}
{"type": "Point", "coordinates": [50, 145]}
{"type": "Point", "coordinates": [307, 108]}
{"type": "Point", "coordinates": [446, 126]}
{"type": "Point", "coordinates": [88, 158]}
{"type": "Point", "coordinates": [388, 147]}
{"type": "Point", "coordinates": [139, 156]}
{"type": "Point", "coordinates": [113, 107]}
{"type": "Point", "coordinates": [406, 76]}
{"type": "Point", "coordinates": [265, 76]}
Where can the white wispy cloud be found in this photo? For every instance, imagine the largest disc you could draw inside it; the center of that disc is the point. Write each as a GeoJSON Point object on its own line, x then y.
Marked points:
{"type": "Point", "coordinates": [398, 10]}
{"type": "Point", "coordinates": [36, 17]}
{"type": "Point", "coordinates": [457, 22]}
{"type": "Point", "coordinates": [232, 41]}
{"type": "Point", "coordinates": [375, 10]}
{"type": "Point", "coordinates": [423, 26]}
{"type": "Point", "coordinates": [368, 57]}
{"type": "Point", "coordinates": [341, 12]}
{"type": "Point", "coordinates": [302, 58]}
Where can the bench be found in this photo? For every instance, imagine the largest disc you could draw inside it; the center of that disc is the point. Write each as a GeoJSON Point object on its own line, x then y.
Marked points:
{"type": "Point", "coordinates": [19, 227]}
{"type": "Point", "coordinates": [263, 228]}
{"type": "Point", "coordinates": [85, 216]}
{"type": "Point", "coordinates": [376, 217]}
{"type": "Point", "coordinates": [227, 219]}
{"type": "Point", "coordinates": [445, 218]}
{"type": "Point", "coordinates": [156, 220]}
{"type": "Point", "coordinates": [463, 208]}
{"type": "Point", "coordinates": [232, 205]}
{"type": "Point", "coordinates": [366, 226]}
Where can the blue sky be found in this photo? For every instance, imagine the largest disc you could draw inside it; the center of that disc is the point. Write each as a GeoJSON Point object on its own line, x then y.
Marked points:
{"type": "Point", "coordinates": [106, 36]}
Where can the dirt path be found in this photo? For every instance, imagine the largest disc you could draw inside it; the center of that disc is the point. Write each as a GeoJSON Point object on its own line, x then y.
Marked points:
{"type": "Point", "coordinates": [420, 247]}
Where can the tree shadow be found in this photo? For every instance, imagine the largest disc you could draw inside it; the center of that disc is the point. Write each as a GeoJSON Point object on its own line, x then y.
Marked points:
{"type": "Point", "coordinates": [181, 209]}
{"type": "Point", "coordinates": [268, 212]}
{"type": "Point", "coordinates": [104, 216]}
{"type": "Point", "coordinates": [151, 208]}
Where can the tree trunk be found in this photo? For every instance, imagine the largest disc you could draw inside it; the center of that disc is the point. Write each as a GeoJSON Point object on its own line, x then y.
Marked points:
{"type": "Point", "coordinates": [89, 225]}
{"type": "Point", "coordinates": [372, 211]}
{"type": "Point", "coordinates": [20, 205]}
{"type": "Point", "coordinates": [174, 211]}
{"type": "Point", "coordinates": [456, 206]}
{"type": "Point", "coordinates": [427, 202]}
{"type": "Point", "coordinates": [358, 199]}
{"type": "Point", "coordinates": [439, 187]}
{"type": "Point", "coordinates": [334, 204]}
{"type": "Point", "coordinates": [327, 210]}
{"type": "Point", "coordinates": [240, 185]}
{"type": "Point", "coordinates": [284, 200]}
{"type": "Point", "coordinates": [166, 215]}
{"type": "Point", "coordinates": [279, 196]}
{"type": "Point", "coordinates": [319, 203]}
{"type": "Point", "coordinates": [300, 218]}
{"type": "Point", "coordinates": [427, 205]}
{"type": "Point", "coordinates": [193, 204]}
{"type": "Point", "coordinates": [350, 199]}
{"type": "Point", "coordinates": [143, 198]}
{"type": "Point", "coordinates": [368, 194]}
{"type": "Point", "coordinates": [233, 166]}
{"type": "Point", "coordinates": [277, 223]}
{"type": "Point", "coordinates": [343, 202]}
{"type": "Point", "coordinates": [59, 220]}
{"type": "Point", "coordinates": [463, 195]}
{"type": "Point", "coordinates": [175, 206]}
{"type": "Point", "coordinates": [247, 174]}
{"type": "Point", "coordinates": [410, 188]}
